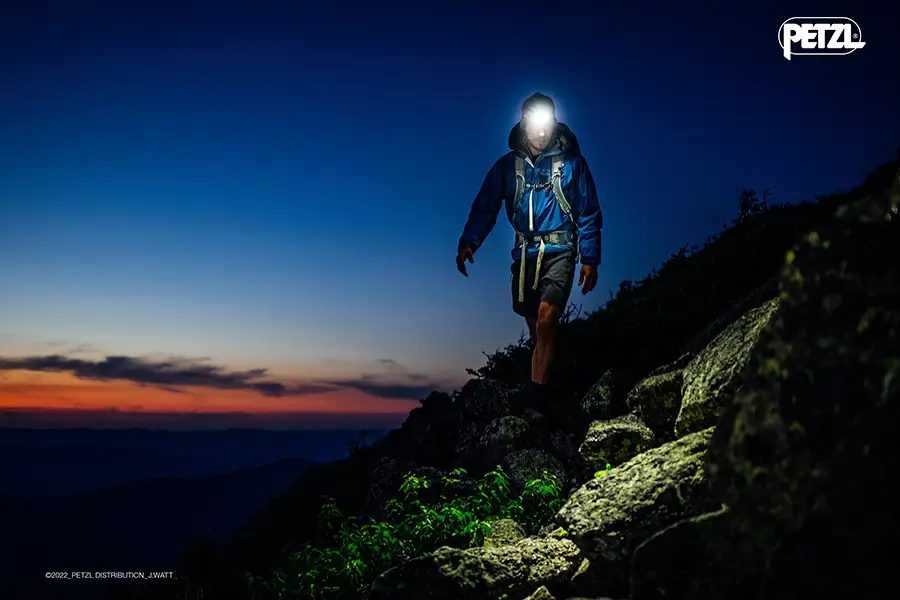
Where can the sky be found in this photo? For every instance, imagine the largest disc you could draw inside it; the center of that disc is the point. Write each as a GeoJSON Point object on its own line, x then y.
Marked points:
{"type": "Point", "coordinates": [246, 213]}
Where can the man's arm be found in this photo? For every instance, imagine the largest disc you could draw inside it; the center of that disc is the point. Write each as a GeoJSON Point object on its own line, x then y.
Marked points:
{"type": "Point", "coordinates": [586, 210]}
{"type": "Point", "coordinates": [485, 208]}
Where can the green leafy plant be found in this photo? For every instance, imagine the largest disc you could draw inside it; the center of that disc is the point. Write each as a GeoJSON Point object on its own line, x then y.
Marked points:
{"type": "Point", "coordinates": [603, 471]}
{"type": "Point", "coordinates": [350, 555]}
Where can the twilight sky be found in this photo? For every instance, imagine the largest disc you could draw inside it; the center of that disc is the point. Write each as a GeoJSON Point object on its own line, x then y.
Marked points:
{"type": "Point", "coordinates": [247, 215]}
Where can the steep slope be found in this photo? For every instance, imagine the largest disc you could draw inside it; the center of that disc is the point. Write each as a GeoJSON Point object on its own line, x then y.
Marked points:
{"type": "Point", "coordinates": [770, 351]}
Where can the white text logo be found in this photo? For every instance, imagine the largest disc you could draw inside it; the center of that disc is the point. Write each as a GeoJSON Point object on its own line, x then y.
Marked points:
{"type": "Point", "coordinates": [819, 36]}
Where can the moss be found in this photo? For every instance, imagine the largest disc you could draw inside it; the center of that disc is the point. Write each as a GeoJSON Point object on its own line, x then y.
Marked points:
{"type": "Point", "coordinates": [798, 441]}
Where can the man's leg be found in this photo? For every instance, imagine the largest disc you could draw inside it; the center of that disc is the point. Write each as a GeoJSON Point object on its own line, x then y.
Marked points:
{"type": "Point", "coordinates": [557, 277]}
{"type": "Point", "coordinates": [547, 320]}
{"type": "Point", "coordinates": [543, 307]}
{"type": "Point", "coordinates": [532, 329]}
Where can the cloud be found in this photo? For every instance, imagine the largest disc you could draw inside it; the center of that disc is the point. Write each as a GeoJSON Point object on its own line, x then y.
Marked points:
{"type": "Point", "coordinates": [163, 373]}
{"type": "Point", "coordinates": [390, 364]}
{"type": "Point", "coordinates": [81, 349]}
{"type": "Point", "coordinates": [172, 374]}
{"type": "Point", "coordinates": [412, 386]}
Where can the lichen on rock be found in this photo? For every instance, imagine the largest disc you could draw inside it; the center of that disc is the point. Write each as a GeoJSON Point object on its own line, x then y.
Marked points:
{"type": "Point", "coordinates": [609, 516]}
{"type": "Point", "coordinates": [523, 466]}
{"type": "Point", "coordinates": [482, 447]}
{"type": "Point", "coordinates": [597, 402]}
{"type": "Point", "coordinates": [803, 455]}
{"type": "Point", "coordinates": [656, 399]}
{"type": "Point", "coordinates": [615, 441]}
{"type": "Point", "coordinates": [713, 377]}
{"type": "Point", "coordinates": [511, 571]}
{"type": "Point", "coordinates": [503, 532]}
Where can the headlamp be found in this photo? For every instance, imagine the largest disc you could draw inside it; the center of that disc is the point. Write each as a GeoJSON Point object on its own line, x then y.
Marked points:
{"type": "Point", "coordinates": [539, 116]}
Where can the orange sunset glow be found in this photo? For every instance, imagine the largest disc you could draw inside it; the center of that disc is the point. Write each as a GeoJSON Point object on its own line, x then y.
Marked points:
{"type": "Point", "coordinates": [63, 397]}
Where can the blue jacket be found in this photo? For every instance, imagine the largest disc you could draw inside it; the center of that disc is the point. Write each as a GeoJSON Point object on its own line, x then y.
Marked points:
{"type": "Point", "coordinates": [499, 189]}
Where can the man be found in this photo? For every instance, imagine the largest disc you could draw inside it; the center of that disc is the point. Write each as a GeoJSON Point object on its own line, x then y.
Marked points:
{"type": "Point", "coordinates": [552, 204]}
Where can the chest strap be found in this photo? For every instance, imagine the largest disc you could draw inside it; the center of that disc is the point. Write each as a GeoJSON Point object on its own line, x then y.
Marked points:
{"type": "Point", "coordinates": [554, 184]}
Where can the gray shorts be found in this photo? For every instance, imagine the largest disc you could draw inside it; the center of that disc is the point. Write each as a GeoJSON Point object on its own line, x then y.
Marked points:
{"type": "Point", "coordinates": [555, 285]}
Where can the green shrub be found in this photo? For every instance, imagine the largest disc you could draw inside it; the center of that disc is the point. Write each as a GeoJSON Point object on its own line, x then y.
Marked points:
{"type": "Point", "coordinates": [352, 555]}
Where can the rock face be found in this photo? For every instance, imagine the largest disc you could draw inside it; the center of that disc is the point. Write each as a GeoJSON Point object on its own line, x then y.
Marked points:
{"type": "Point", "coordinates": [484, 400]}
{"type": "Point", "coordinates": [525, 465]}
{"type": "Point", "coordinates": [615, 441]}
{"type": "Point", "coordinates": [503, 533]}
{"type": "Point", "coordinates": [512, 571]}
{"type": "Point", "coordinates": [542, 593]}
{"type": "Point", "coordinates": [715, 374]}
{"type": "Point", "coordinates": [597, 403]}
{"type": "Point", "coordinates": [657, 401]}
{"type": "Point", "coordinates": [482, 447]}
{"type": "Point", "coordinates": [695, 559]}
{"type": "Point", "coordinates": [805, 454]}
{"type": "Point", "coordinates": [610, 515]}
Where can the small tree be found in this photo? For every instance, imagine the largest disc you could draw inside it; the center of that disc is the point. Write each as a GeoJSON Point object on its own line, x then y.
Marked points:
{"type": "Point", "coordinates": [750, 204]}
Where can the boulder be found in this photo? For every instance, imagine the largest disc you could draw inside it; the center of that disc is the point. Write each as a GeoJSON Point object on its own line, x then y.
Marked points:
{"type": "Point", "coordinates": [656, 399]}
{"type": "Point", "coordinates": [697, 559]}
{"type": "Point", "coordinates": [715, 374]}
{"type": "Point", "coordinates": [598, 402]}
{"type": "Point", "coordinates": [615, 441]}
{"type": "Point", "coordinates": [523, 466]}
{"type": "Point", "coordinates": [482, 447]}
{"type": "Point", "coordinates": [609, 516]}
{"type": "Point", "coordinates": [484, 400]}
{"type": "Point", "coordinates": [542, 593]}
{"type": "Point", "coordinates": [805, 455]}
{"type": "Point", "coordinates": [510, 571]}
{"type": "Point", "coordinates": [564, 446]}
{"type": "Point", "coordinates": [676, 365]}
{"type": "Point", "coordinates": [503, 533]}
{"type": "Point", "coordinates": [428, 434]}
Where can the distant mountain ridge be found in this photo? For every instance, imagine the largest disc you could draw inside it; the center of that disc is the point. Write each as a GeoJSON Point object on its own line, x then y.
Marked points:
{"type": "Point", "coordinates": [66, 461]}
{"type": "Point", "coordinates": [139, 526]}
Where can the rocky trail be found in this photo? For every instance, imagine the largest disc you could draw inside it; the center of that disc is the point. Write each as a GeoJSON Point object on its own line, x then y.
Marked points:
{"type": "Point", "coordinates": [756, 466]}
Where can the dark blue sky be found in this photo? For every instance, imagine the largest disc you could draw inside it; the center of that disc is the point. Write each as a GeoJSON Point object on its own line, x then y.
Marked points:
{"type": "Point", "coordinates": [282, 187]}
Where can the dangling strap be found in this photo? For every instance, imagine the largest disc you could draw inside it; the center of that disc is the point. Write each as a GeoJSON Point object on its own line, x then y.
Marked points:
{"type": "Point", "coordinates": [556, 174]}
{"type": "Point", "coordinates": [522, 270]}
{"type": "Point", "coordinates": [537, 267]}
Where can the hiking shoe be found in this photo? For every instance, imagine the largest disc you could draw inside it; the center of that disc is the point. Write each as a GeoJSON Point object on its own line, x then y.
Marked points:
{"type": "Point", "coordinates": [528, 397]}
{"type": "Point", "coordinates": [555, 414]}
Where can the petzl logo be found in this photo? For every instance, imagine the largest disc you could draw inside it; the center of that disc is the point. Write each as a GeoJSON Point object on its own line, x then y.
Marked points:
{"type": "Point", "coordinates": [819, 36]}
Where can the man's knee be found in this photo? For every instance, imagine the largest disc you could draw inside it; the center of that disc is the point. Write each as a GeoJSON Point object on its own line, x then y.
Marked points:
{"type": "Point", "coordinates": [548, 316]}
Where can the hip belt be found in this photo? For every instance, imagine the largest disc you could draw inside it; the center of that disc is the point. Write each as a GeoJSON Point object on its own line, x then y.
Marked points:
{"type": "Point", "coordinates": [561, 238]}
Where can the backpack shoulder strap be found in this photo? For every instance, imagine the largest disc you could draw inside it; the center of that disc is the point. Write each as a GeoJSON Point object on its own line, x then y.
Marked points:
{"type": "Point", "coordinates": [520, 183]}
{"type": "Point", "coordinates": [556, 174]}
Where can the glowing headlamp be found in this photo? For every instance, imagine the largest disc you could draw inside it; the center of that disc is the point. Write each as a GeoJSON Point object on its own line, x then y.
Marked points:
{"type": "Point", "coordinates": [539, 116]}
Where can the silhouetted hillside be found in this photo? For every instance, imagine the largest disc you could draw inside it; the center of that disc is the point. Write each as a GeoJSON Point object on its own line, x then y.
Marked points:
{"type": "Point", "coordinates": [140, 526]}
{"type": "Point", "coordinates": [72, 461]}
{"type": "Point", "coordinates": [728, 418]}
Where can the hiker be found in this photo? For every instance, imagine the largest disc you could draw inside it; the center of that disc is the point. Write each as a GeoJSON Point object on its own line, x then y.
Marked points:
{"type": "Point", "coordinates": [552, 204]}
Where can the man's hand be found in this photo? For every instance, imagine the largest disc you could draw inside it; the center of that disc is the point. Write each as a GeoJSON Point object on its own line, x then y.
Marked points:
{"type": "Point", "coordinates": [588, 277]}
{"type": "Point", "coordinates": [464, 253]}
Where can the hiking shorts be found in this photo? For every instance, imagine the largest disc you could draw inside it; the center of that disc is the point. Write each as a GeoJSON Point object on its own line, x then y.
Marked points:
{"type": "Point", "coordinates": [555, 284]}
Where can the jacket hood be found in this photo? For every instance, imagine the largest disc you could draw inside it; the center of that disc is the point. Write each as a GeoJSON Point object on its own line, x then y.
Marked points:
{"type": "Point", "coordinates": [564, 140]}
